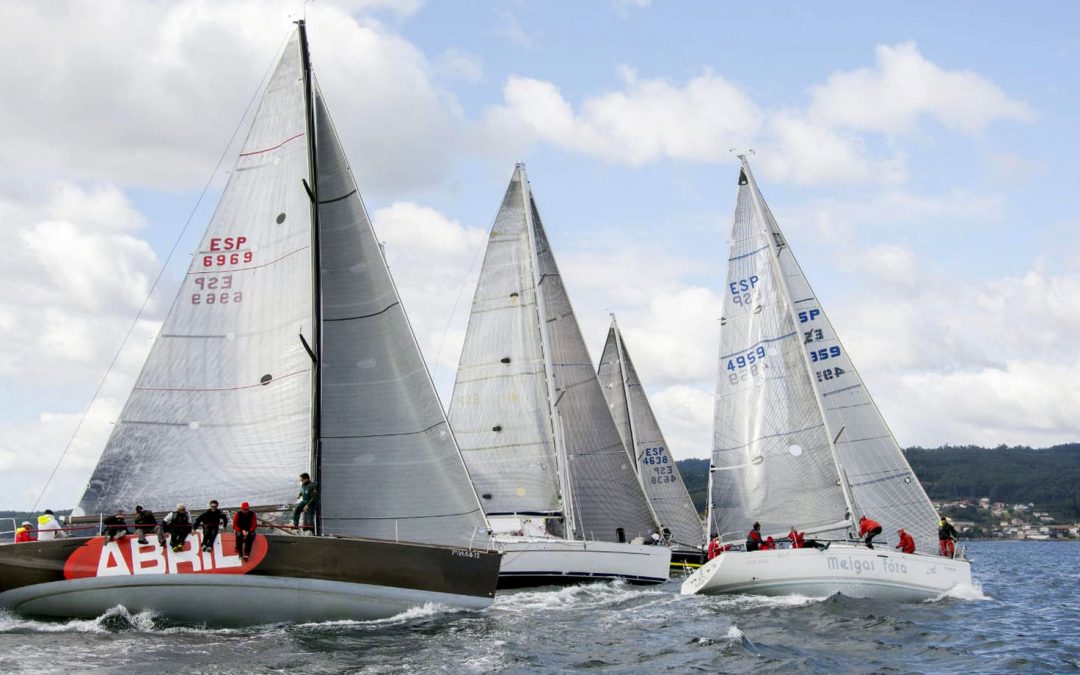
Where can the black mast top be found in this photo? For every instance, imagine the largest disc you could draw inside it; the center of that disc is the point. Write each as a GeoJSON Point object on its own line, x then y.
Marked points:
{"type": "Point", "coordinates": [312, 185]}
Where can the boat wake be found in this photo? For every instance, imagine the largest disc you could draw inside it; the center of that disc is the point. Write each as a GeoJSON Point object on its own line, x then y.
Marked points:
{"type": "Point", "coordinates": [969, 592]}
{"type": "Point", "coordinates": [601, 594]}
{"type": "Point", "coordinates": [733, 602]}
{"type": "Point", "coordinates": [426, 611]}
{"type": "Point", "coordinates": [116, 620]}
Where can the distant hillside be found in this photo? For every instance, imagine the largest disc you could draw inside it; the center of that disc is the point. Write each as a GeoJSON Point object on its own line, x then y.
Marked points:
{"type": "Point", "coordinates": [1048, 477]}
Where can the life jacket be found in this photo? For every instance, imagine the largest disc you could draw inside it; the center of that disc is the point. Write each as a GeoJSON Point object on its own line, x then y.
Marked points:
{"type": "Point", "coordinates": [714, 548]}
{"type": "Point", "coordinates": [796, 538]}
{"type": "Point", "coordinates": [753, 541]}
{"type": "Point", "coordinates": [22, 534]}
{"type": "Point", "coordinates": [907, 543]}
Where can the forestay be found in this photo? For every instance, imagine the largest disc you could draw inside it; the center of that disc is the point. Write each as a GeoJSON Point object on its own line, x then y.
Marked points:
{"type": "Point", "coordinates": [641, 435]}
{"type": "Point", "coordinates": [222, 407]}
{"type": "Point", "coordinates": [390, 468]}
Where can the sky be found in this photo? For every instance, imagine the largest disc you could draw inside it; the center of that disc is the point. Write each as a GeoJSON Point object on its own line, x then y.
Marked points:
{"type": "Point", "coordinates": [921, 158]}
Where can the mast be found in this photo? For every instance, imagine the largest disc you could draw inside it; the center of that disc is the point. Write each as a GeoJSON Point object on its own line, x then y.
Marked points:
{"type": "Point", "coordinates": [634, 456]}
{"type": "Point", "coordinates": [549, 371]}
{"type": "Point", "coordinates": [841, 476]}
{"type": "Point", "coordinates": [312, 186]}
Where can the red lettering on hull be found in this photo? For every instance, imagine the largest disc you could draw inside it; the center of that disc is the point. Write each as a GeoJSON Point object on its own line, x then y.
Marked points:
{"type": "Point", "coordinates": [126, 557]}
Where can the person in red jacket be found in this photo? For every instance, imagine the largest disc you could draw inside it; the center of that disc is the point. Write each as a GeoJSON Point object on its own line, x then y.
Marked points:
{"type": "Point", "coordinates": [768, 545]}
{"type": "Point", "coordinates": [907, 542]}
{"type": "Point", "coordinates": [244, 523]}
{"type": "Point", "coordinates": [753, 538]}
{"type": "Point", "coordinates": [796, 538]}
{"type": "Point", "coordinates": [24, 533]}
{"type": "Point", "coordinates": [714, 547]}
{"type": "Point", "coordinates": [869, 529]}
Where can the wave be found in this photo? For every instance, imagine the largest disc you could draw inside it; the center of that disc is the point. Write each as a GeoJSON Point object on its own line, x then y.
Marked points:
{"type": "Point", "coordinates": [969, 592]}
{"type": "Point", "coordinates": [116, 620]}
{"type": "Point", "coordinates": [573, 597]}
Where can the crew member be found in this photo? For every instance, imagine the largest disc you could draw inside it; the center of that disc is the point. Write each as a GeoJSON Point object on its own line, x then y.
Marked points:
{"type": "Point", "coordinates": [178, 525]}
{"type": "Point", "coordinates": [211, 520]}
{"type": "Point", "coordinates": [306, 501]}
{"type": "Point", "coordinates": [907, 542]}
{"type": "Point", "coordinates": [768, 545]}
{"type": "Point", "coordinates": [146, 522]}
{"type": "Point", "coordinates": [114, 527]}
{"type": "Point", "coordinates": [753, 538]}
{"type": "Point", "coordinates": [48, 527]}
{"type": "Point", "coordinates": [23, 533]}
{"type": "Point", "coordinates": [714, 546]}
{"type": "Point", "coordinates": [796, 538]}
{"type": "Point", "coordinates": [947, 535]}
{"type": "Point", "coordinates": [869, 529]}
{"type": "Point", "coordinates": [244, 524]}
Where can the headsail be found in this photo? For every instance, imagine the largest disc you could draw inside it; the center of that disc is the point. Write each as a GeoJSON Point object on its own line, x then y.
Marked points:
{"type": "Point", "coordinates": [389, 465]}
{"type": "Point", "coordinates": [640, 433]}
{"type": "Point", "coordinates": [222, 407]}
{"type": "Point", "coordinates": [512, 430]}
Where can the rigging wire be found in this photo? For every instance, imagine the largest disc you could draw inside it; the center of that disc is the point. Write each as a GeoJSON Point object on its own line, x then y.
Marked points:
{"type": "Point", "coordinates": [160, 274]}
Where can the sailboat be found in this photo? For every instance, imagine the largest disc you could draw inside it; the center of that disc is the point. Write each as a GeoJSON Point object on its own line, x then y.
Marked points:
{"type": "Point", "coordinates": [652, 459]}
{"type": "Point", "coordinates": [554, 478]}
{"type": "Point", "coordinates": [799, 443]}
{"type": "Point", "coordinates": [286, 350]}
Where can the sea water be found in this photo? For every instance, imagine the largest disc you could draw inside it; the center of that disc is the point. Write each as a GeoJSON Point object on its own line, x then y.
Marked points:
{"type": "Point", "coordinates": [1023, 615]}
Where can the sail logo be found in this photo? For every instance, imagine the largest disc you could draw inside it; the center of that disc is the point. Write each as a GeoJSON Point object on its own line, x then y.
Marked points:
{"type": "Point", "coordinates": [127, 557]}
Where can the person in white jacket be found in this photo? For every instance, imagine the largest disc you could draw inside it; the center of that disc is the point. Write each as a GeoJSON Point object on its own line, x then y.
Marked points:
{"type": "Point", "coordinates": [48, 527]}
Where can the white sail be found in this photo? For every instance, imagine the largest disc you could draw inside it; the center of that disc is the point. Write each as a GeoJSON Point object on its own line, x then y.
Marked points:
{"type": "Point", "coordinates": [657, 472]}
{"type": "Point", "coordinates": [222, 407]}
{"type": "Point", "coordinates": [878, 476]}
{"type": "Point", "coordinates": [526, 388]}
{"type": "Point", "coordinates": [389, 465]}
{"type": "Point", "coordinates": [798, 440]}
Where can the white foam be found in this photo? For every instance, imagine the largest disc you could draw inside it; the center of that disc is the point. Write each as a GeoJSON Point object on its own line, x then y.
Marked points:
{"type": "Point", "coordinates": [970, 592]}
{"type": "Point", "coordinates": [571, 597]}
{"type": "Point", "coordinates": [733, 633]}
{"type": "Point", "coordinates": [141, 622]}
{"type": "Point", "coordinates": [427, 610]}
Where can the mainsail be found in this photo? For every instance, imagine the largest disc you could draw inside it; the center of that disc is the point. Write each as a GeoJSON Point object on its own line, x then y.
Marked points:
{"type": "Point", "coordinates": [798, 441]}
{"type": "Point", "coordinates": [527, 407]}
{"type": "Point", "coordinates": [230, 404]}
{"type": "Point", "coordinates": [657, 472]}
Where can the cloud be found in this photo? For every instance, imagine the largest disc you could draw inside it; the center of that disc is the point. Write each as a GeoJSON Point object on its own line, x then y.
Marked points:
{"type": "Point", "coordinates": [161, 119]}
{"type": "Point", "coordinates": [73, 277]}
{"type": "Point", "coordinates": [435, 262]}
{"type": "Point", "coordinates": [649, 120]}
{"type": "Point", "coordinates": [686, 419]}
{"type": "Point", "coordinates": [903, 87]}
{"type": "Point", "coordinates": [459, 64]}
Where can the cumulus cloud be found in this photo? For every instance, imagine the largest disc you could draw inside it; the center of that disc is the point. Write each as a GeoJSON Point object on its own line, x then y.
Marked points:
{"type": "Point", "coordinates": [162, 119]}
{"type": "Point", "coordinates": [649, 120]}
{"type": "Point", "coordinates": [436, 263]}
{"type": "Point", "coordinates": [905, 86]}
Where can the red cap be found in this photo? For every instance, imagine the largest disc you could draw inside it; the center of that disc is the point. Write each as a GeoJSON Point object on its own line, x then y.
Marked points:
{"type": "Point", "coordinates": [244, 505]}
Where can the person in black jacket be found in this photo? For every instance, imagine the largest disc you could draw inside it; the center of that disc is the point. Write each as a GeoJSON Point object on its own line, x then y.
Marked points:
{"type": "Point", "coordinates": [114, 527]}
{"type": "Point", "coordinates": [244, 524]}
{"type": "Point", "coordinates": [146, 522]}
{"type": "Point", "coordinates": [178, 525]}
{"type": "Point", "coordinates": [211, 520]}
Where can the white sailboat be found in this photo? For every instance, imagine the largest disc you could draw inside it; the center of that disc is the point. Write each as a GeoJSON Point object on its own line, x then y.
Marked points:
{"type": "Point", "coordinates": [655, 465]}
{"type": "Point", "coordinates": [798, 442]}
{"type": "Point", "coordinates": [541, 447]}
{"type": "Point", "coordinates": [286, 350]}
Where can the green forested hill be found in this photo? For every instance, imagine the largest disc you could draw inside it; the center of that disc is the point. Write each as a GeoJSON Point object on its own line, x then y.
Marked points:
{"type": "Point", "coordinates": [1047, 477]}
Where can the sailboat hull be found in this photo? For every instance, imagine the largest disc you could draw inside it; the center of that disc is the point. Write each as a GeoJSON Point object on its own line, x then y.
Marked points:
{"type": "Point", "coordinates": [289, 579]}
{"type": "Point", "coordinates": [854, 571]}
{"type": "Point", "coordinates": [540, 561]}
